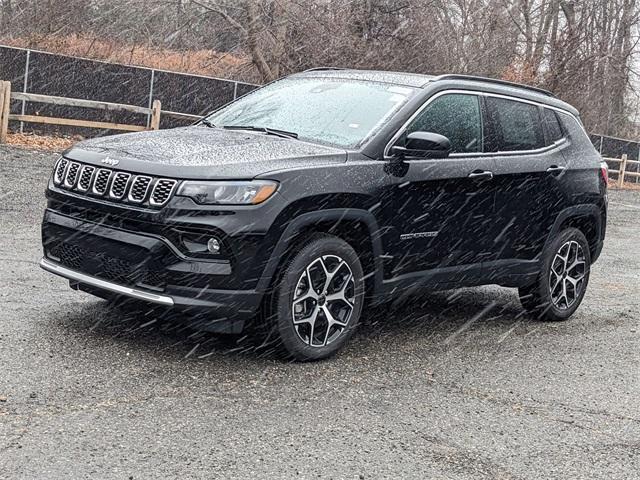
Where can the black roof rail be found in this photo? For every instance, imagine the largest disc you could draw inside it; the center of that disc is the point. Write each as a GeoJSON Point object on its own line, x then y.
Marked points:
{"type": "Point", "coordinates": [315, 69]}
{"type": "Point", "coordinates": [455, 76]}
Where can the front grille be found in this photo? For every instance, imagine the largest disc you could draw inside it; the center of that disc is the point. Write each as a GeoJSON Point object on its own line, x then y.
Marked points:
{"type": "Point", "coordinates": [85, 178]}
{"type": "Point", "coordinates": [119, 185]}
{"type": "Point", "coordinates": [127, 273]}
{"type": "Point", "coordinates": [139, 188]}
{"type": "Point", "coordinates": [69, 255]}
{"type": "Point", "coordinates": [58, 176]}
{"type": "Point", "coordinates": [101, 265]}
{"type": "Point", "coordinates": [162, 191]}
{"type": "Point", "coordinates": [101, 182]}
{"type": "Point", "coordinates": [72, 175]}
{"type": "Point", "coordinates": [112, 184]}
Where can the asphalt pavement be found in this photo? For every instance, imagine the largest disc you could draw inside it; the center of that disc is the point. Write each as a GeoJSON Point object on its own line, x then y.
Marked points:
{"type": "Point", "coordinates": [446, 385]}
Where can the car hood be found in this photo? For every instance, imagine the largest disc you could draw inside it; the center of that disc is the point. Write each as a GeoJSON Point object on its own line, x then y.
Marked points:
{"type": "Point", "coordinates": [202, 152]}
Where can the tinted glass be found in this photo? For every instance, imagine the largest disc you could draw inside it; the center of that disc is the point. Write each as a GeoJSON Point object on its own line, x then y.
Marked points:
{"type": "Point", "coordinates": [457, 117]}
{"type": "Point", "coordinates": [552, 125]}
{"type": "Point", "coordinates": [336, 111]}
{"type": "Point", "coordinates": [516, 125]}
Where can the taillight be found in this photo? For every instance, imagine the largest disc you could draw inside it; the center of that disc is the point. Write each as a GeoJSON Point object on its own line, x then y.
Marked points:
{"type": "Point", "coordinates": [604, 171]}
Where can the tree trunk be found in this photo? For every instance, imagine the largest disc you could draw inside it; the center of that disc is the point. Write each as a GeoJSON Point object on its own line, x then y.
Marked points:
{"type": "Point", "coordinates": [253, 43]}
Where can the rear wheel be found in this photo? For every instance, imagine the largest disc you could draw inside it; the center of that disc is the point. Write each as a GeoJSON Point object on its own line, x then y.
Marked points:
{"type": "Point", "coordinates": [562, 282]}
{"type": "Point", "coordinates": [318, 299]}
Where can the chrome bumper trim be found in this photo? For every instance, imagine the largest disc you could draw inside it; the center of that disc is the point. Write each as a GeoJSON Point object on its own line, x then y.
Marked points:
{"type": "Point", "coordinates": [96, 282]}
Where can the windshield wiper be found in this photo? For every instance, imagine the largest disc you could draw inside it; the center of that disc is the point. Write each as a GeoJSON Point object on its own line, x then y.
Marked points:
{"type": "Point", "coordinates": [207, 122]}
{"type": "Point", "coordinates": [267, 130]}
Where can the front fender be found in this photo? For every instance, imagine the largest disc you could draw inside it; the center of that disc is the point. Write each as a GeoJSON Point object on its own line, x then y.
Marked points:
{"type": "Point", "coordinates": [306, 220]}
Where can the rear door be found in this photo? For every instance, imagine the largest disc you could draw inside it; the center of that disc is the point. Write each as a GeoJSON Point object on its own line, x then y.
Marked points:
{"type": "Point", "coordinates": [529, 167]}
{"type": "Point", "coordinates": [441, 211]}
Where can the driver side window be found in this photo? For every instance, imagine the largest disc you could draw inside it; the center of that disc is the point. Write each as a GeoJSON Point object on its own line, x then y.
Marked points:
{"type": "Point", "coordinates": [457, 117]}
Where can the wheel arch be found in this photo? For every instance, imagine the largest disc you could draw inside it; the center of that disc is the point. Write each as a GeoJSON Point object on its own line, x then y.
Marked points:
{"type": "Point", "coordinates": [356, 226]}
{"type": "Point", "coordinates": [587, 219]}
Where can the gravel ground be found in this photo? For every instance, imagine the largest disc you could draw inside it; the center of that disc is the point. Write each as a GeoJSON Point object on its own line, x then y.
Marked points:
{"type": "Point", "coordinates": [450, 385]}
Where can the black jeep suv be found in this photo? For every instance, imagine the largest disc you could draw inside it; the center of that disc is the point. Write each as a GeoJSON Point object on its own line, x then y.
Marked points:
{"type": "Point", "coordinates": [285, 209]}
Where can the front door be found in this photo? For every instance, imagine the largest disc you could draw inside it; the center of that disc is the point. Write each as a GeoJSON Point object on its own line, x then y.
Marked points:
{"type": "Point", "coordinates": [442, 209]}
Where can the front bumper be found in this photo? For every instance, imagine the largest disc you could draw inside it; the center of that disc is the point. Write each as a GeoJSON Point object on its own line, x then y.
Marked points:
{"type": "Point", "coordinates": [108, 261]}
{"type": "Point", "coordinates": [111, 287]}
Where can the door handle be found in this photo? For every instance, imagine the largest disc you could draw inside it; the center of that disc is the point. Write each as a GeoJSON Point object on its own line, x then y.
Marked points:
{"type": "Point", "coordinates": [481, 174]}
{"type": "Point", "coordinates": [556, 169]}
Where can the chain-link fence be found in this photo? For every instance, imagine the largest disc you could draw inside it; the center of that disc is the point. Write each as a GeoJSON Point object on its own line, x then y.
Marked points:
{"type": "Point", "coordinates": [32, 71]}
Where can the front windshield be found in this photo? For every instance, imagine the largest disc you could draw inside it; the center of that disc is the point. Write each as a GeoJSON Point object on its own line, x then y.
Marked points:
{"type": "Point", "coordinates": [336, 111]}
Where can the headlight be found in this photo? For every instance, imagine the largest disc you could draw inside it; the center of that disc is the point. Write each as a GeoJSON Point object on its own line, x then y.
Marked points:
{"type": "Point", "coordinates": [228, 193]}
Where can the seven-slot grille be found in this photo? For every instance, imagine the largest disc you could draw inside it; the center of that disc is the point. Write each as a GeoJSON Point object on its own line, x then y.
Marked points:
{"type": "Point", "coordinates": [139, 188]}
{"type": "Point", "coordinates": [72, 175]}
{"type": "Point", "coordinates": [85, 178]}
{"type": "Point", "coordinates": [119, 185]}
{"type": "Point", "coordinates": [162, 191]}
{"type": "Point", "coordinates": [60, 170]}
{"type": "Point", "coordinates": [101, 182]}
{"type": "Point", "coordinates": [112, 184]}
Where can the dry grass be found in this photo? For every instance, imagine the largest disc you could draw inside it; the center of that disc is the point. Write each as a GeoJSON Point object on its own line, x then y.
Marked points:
{"type": "Point", "coordinates": [41, 142]}
{"type": "Point", "coordinates": [613, 184]}
{"type": "Point", "coordinates": [200, 62]}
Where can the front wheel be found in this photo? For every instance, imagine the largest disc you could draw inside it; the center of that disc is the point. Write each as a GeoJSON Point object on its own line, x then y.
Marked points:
{"type": "Point", "coordinates": [562, 282]}
{"type": "Point", "coordinates": [318, 299]}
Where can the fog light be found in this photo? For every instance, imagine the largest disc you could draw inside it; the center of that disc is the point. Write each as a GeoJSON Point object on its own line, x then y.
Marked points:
{"type": "Point", "coordinates": [213, 245]}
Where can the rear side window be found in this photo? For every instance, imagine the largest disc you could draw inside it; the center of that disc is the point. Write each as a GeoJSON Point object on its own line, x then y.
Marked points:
{"type": "Point", "coordinates": [515, 125]}
{"type": "Point", "coordinates": [457, 117]}
{"type": "Point", "coordinates": [552, 126]}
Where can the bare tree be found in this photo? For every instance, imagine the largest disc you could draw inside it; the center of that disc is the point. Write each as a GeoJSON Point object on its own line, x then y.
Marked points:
{"type": "Point", "coordinates": [583, 50]}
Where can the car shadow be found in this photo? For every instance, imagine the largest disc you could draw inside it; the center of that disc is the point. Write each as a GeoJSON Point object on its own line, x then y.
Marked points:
{"type": "Point", "coordinates": [431, 316]}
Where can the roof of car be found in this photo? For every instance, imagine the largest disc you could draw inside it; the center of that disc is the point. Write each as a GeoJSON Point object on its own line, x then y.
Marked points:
{"type": "Point", "coordinates": [418, 80]}
{"type": "Point", "coordinates": [398, 78]}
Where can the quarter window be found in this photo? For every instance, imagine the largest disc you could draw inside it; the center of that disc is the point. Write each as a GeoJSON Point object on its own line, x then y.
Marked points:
{"type": "Point", "coordinates": [457, 117]}
{"type": "Point", "coordinates": [516, 125]}
{"type": "Point", "coordinates": [552, 126]}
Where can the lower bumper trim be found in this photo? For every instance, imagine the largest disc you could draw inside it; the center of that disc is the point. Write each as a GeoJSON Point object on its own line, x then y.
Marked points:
{"type": "Point", "coordinates": [112, 287]}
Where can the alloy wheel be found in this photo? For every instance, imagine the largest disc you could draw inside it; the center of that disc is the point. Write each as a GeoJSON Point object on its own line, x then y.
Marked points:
{"type": "Point", "coordinates": [567, 276]}
{"type": "Point", "coordinates": [323, 300]}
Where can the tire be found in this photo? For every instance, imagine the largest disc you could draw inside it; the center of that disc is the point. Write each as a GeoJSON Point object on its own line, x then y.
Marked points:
{"type": "Point", "coordinates": [314, 323]}
{"type": "Point", "coordinates": [562, 282]}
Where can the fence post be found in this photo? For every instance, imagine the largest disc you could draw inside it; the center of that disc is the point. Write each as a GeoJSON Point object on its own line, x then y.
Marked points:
{"type": "Point", "coordinates": [1, 106]}
{"type": "Point", "coordinates": [623, 167]}
{"type": "Point", "coordinates": [5, 94]}
{"type": "Point", "coordinates": [155, 115]}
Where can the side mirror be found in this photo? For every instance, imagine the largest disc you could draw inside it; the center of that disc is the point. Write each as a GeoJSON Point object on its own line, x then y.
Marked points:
{"type": "Point", "coordinates": [424, 145]}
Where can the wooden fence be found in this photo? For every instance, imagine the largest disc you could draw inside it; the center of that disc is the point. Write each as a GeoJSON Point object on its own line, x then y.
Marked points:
{"type": "Point", "coordinates": [622, 172]}
{"type": "Point", "coordinates": [6, 95]}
